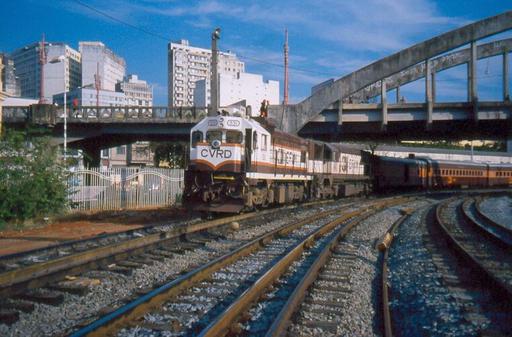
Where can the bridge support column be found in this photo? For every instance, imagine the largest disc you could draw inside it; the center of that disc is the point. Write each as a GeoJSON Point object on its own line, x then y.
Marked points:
{"type": "Point", "coordinates": [340, 111]}
{"type": "Point", "coordinates": [473, 94]}
{"type": "Point", "coordinates": [398, 94]}
{"type": "Point", "coordinates": [384, 104]}
{"type": "Point", "coordinates": [433, 85]}
{"type": "Point", "coordinates": [92, 156]}
{"type": "Point", "coordinates": [428, 93]}
{"type": "Point", "coordinates": [506, 86]}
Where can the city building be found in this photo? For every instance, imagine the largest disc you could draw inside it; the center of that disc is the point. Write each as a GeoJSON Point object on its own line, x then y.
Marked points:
{"type": "Point", "coordinates": [137, 92]}
{"type": "Point", "coordinates": [187, 65]}
{"type": "Point", "coordinates": [97, 59]}
{"type": "Point", "coordinates": [136, 154]}
{"type": "Point", "coordinates": [57, 77]}
{"type": "Point", "coordinates": [10, 85]}
{"type": "Point", "coordinates": [242, 86]}
{"type": "Point", "coordinates": [88, 96]}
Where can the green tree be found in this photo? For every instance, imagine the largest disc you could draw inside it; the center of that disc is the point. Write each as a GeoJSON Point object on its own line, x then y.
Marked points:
{"type": "Point", "coordinates": [32, 178]}
{"type": "Point", "coordinates": [171, 154]}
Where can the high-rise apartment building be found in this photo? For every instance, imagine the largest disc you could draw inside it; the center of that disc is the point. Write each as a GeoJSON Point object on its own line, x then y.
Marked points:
{"type": "Point", "coordinates": [97, 59]}
{"type": "Point", "coordinates": [242, 86]}
{"type": "Point", "coordinates": [137, 92]}
{"type": "Point", "coordinates": [57, 76]}
{"type": "Point", "coordinates": [10, 85]}
{"type": "Point", "coordinates": [187, 65]}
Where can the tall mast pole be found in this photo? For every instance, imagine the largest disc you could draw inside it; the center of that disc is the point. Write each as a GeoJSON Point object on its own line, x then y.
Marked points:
{"type": "Point", "coordinates": [42, 62]}
{"type": "Point", "coordinates": [97, 84]}
{"type": "Point", "coordinates": [214, 81]}
{"type": "Point", "coordinates": [285, 100]}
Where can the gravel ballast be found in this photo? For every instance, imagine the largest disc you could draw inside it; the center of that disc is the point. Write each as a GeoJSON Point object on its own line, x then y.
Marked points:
{"type": "Point", "coordinates": [115, 289]}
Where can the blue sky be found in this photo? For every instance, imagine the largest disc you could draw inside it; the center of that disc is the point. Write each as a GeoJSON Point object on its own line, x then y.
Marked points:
{"type": "Point", "coordinates": [328, 38]}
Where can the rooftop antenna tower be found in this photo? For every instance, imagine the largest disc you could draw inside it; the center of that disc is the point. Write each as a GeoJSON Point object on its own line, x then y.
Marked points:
{"type": "Point", "coordinates": [97, 84]}
{"type": "Point", "coordinates": [285, 99]}
{"type": "Point", "coordinates": [42, 62]}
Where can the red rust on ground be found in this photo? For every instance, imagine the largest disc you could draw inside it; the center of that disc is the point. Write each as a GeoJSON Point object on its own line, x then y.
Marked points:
{"type": "Point", "coordinates": [82, 226]}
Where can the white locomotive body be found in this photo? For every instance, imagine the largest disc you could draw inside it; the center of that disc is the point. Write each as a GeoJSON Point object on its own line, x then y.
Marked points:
{"type": "Point", "coordinates": [238, 163]}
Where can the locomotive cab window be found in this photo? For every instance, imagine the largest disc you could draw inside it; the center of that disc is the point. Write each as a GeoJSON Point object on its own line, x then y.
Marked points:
{"type": "Point", "coordinates": [213, 135]}
{"type": "Point", "coordinates": [197, 137]}
{"type": "Point", "coordinates": [234, 137]}
{"type": "Point", "coordinates": [254, 140]}
{"type": "Point", "coordinates": [264, 140]}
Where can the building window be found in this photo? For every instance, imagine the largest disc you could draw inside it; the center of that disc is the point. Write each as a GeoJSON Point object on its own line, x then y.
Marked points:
{"type": "Point", "coordinates": [120, 150]}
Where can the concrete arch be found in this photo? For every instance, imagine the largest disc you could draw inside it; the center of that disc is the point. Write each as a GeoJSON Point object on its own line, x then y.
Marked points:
{"type": "Point", "coordinates": [440, 63]}
{"type": "Point", "coordinates": [328, 96]}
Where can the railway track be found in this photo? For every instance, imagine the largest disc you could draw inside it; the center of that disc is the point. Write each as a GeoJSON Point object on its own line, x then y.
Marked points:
{"type": "Point", "coordinates": [212, 299]}
{"type": "Point", "coordinates": [49, 282]}
{"type": "Point", "coordinates": [479, 275]}
{"type": "Point", "coordinates": [494, 230]}
{"type": "Point", "coordinates": [484, 252]}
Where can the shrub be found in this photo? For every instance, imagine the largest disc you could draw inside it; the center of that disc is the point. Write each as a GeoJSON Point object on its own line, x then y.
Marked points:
{"type": "Point", "coordinates": [32, 178]}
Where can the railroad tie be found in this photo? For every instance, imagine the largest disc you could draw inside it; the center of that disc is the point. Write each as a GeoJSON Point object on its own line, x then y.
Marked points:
{"type": "Point", "coordinates": [163, 253]}
{"type": "Point", "coordinates": [19, 305]}
{"type": "Point", "coordinates": [130, 264]}
{"type": "Point", "coordinates": [74, 289]}
{"type": "Point", "coordinates": [44, 297]}
{"type": "Point", "coordinates": [118, 270]}
{"type": "Point", "coordinates": [9, 316]}
{"type": "Point", "coordinates": [324, 325]}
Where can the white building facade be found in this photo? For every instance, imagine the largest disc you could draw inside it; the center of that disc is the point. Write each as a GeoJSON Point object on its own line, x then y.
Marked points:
{"type": "Point", "coordinates": [57, 76]}
{"type": "Point", "coordinates": [137, 92]}
{"type": "Point", "coordinates": [90, 97]}
{"type": "Point", "coordinates": [97, 58]}
{"type": "Point", "coordinates": [243, 86]}
{"type": "Point", "coordinates": [187, 65]}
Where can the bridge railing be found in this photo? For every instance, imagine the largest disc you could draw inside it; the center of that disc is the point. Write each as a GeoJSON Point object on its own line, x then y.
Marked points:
{"type": "Point", "coordinates": [15, 114]}
{"type": "Point", "coordinates": [107, 114]}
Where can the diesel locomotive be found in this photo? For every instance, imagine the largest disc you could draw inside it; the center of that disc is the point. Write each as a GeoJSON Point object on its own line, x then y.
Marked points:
{"type": "Point", "coordinates": [240, 163]}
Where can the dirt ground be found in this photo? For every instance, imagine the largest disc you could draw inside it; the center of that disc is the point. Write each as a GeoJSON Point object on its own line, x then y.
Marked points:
{"type": "Point", "coordinates": [81, 226]}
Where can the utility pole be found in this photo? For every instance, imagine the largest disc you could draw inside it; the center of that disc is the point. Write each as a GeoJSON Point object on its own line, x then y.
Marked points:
{"type": "Point", "coordinates": [97, 85]}
{"type": "Point", "coordinates": [285, 97]}
{"type": "Point", "coordinates": [214, 82]}
{"type": "Point", "coordinates": [42, 62]}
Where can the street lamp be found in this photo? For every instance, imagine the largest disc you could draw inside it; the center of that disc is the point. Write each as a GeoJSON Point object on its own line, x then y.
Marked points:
{"type": "Point", "coordinates": [62, 59]}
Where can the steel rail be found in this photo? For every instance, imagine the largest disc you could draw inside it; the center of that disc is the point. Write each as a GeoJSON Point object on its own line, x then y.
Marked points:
{"type": "Point", "coordinates": [221, 325]}
{"type": "Point", "coordinates": [386, 312]}
{"type": "Point", "coordinates": [282, 320]}
{"type": "Point", "coordinates": [40, 274]}
{"type": "Point", "coordinates": [458, 246]}
{"type": "Point", "coordinates": [155, 298]}
{"type": "Point", "coordinates": [495, 228]}
{"type": "Point", "coordinates": [69, 243]}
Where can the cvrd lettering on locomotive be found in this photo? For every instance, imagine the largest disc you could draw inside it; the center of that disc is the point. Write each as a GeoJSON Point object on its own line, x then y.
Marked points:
{"type": "Point", "coordinates": [216, 153]}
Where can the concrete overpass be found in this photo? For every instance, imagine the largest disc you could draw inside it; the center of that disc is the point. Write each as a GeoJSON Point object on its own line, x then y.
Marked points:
{"type": "Point", "coordinates": [94, 128]}
{"type": "Point", "coordinates": [330, 112]}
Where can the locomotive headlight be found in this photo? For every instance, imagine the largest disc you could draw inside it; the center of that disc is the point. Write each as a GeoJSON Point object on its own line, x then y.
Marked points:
{"type": "Point", "coordinates": [216, 143]}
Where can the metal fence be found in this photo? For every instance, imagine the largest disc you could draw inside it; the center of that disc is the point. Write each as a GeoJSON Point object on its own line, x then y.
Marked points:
{"type": "Point", "coordinates": [124, 188]}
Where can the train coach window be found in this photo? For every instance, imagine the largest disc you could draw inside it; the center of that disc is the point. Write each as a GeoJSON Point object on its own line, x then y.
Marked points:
{"type": "Point", "coordinates": [197, 137]}
{"type": "Point", "coordinates": [233, 136]}
{"type": "Point", "coordinates": [302, 156]}
{"type": "Point", "coordinates": [213, 135]}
